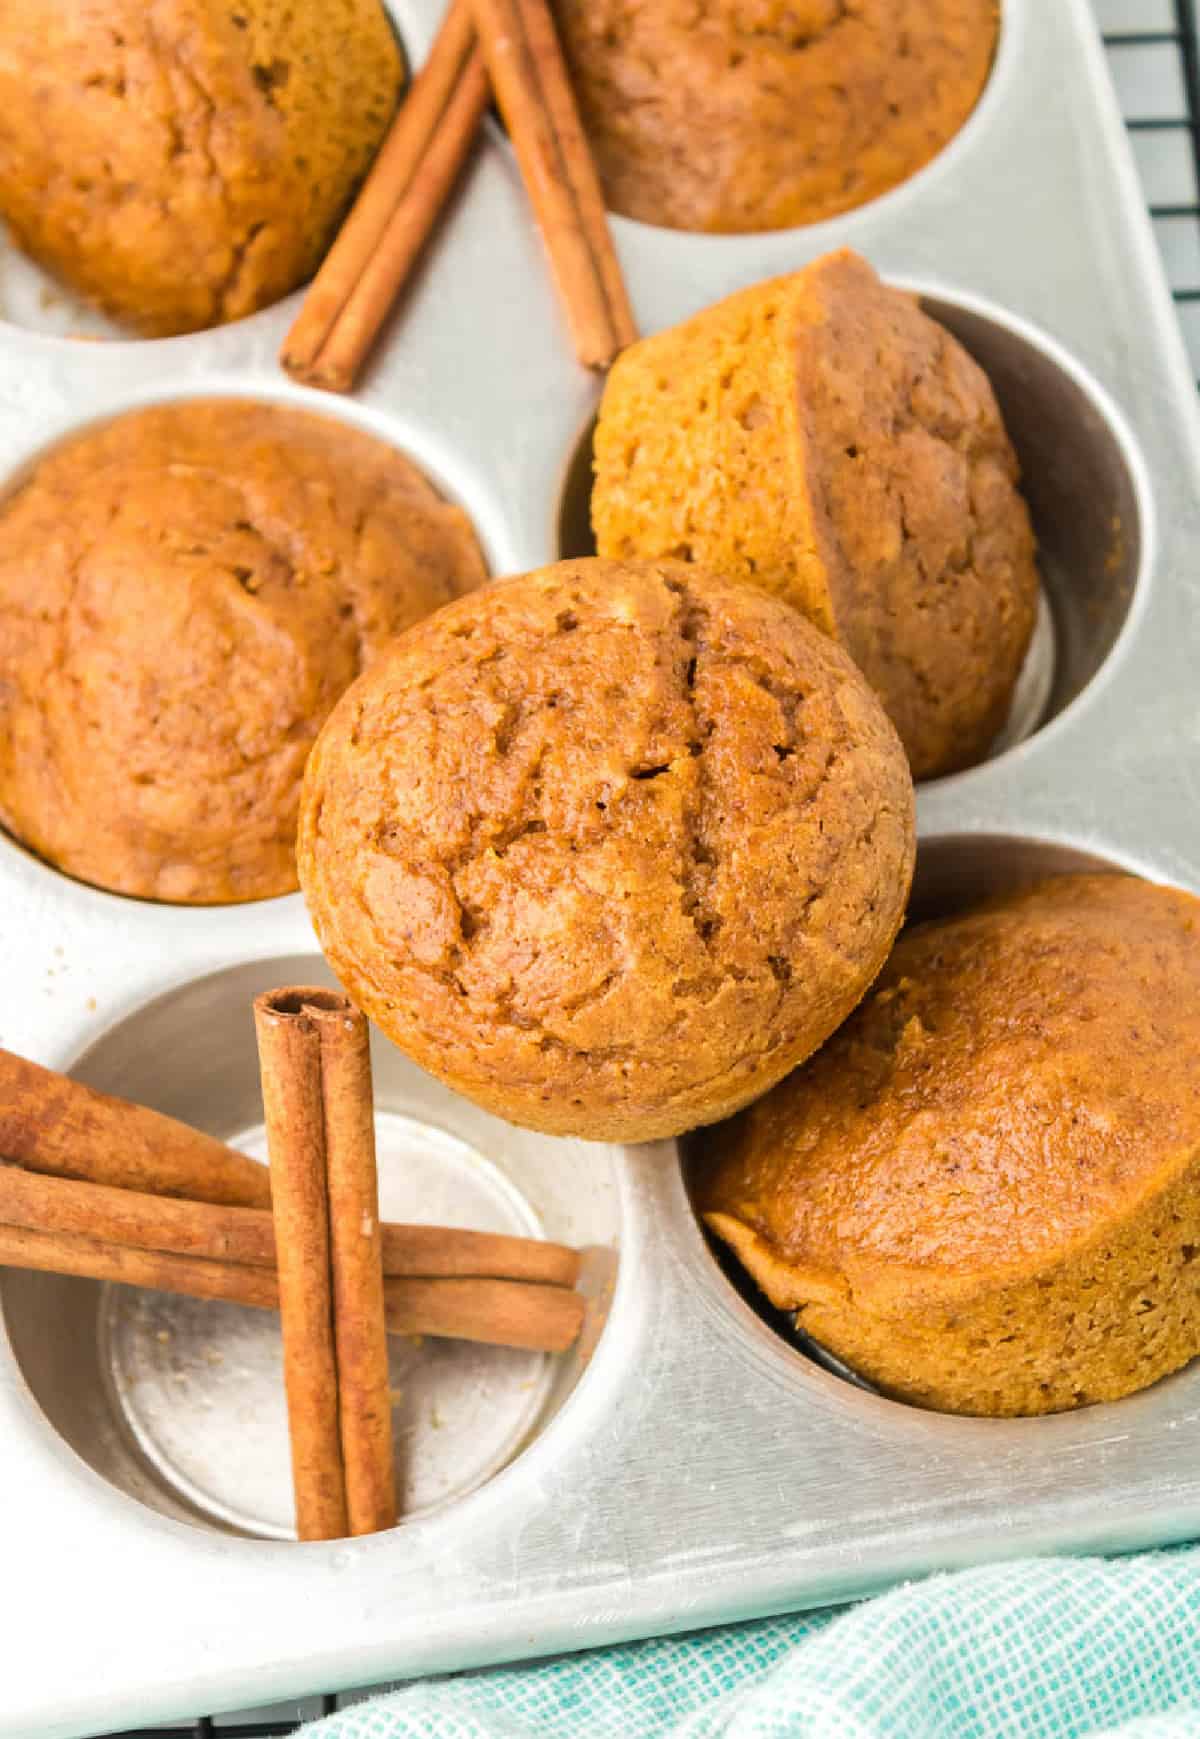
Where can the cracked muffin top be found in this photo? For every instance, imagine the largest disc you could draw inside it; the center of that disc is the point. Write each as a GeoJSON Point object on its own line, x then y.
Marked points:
{"type": "Point", "coordinates": [184, 594]}
{"type": "Point", "coordinates": [184, 162]}
{"type": "Point", "coordinates": [610, 847]}
{"type": "Point", "coordinates": [820, 436]}
{"type": "Point", "coordinates": [763, 114]}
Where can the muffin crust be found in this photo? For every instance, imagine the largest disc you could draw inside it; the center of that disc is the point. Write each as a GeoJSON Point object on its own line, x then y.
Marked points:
{"type": "Point", "coordinates": [821, 437]}
{"type": "Point", "coordinates": [184, 162]}
{"type": "Point", "coordinates": [763, 114]}
{"type": "Point", "coordinates": [984, 1192]}
{"type": "Point", "coordinates": [184, 593]}
{"type": "Point", "coordinates": [609, 847]}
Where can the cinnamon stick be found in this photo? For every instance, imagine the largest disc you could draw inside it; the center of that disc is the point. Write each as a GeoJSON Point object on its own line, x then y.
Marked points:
{"type": "Point", "coordinates": [352, 335]}
{"type": "Point", "coordinates": [359, 1332]}
{"type": "Point", "coordinates": [449, 1251]}
{"type": "Point", "coordinates": [499, 1313]}
{"type": "Point", "coordinates": [495, 1312]}
{"type": "Point", "coordinates": [397, 207]}
{"type": "Point", "coordinates": [89, 1258]}
{"type": "Point", "coordinates": [50, 1123]}
{"type": "Point", "coordinates": [289, 1049]}
{"type": "Point", "coordinates": [532, 88]}
{"type": "Point", "coordinates": [580, 167]}
{"type": "Point", "coordinates": [247, 1235]}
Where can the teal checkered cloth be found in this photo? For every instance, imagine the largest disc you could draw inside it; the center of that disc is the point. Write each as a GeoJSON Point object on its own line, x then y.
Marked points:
{"type": "Point", "coordinates": [1043, 1648]}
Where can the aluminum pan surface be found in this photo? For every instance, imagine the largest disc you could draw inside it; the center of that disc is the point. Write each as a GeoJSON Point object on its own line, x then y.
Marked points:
{"type": "Point", "coordinates": [700, 1472]}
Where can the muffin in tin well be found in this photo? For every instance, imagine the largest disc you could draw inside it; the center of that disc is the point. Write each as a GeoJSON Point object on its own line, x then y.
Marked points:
{"type": "Point", "coordinates": [983, 1194]}
{"type": "Point", "coordinates": [821, 437]}
{"type": "Point", "coordinates": [184, 163]}
{"type": "Point", "coordinates": [763, 114]}
{"type": "Point", "coordinates": [184, 593]}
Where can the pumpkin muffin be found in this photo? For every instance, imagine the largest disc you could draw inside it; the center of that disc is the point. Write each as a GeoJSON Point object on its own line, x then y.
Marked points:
{"type": "Point", "coordinates": [609, 847]}
{"type": "Point", "coordinates": [186, 162]}
{"type": "Point", "coordinates": [984, 1193]}
{"type": "Point", "coordinates": [763, 114]}
{"type": "Point", "coordinates": [821, 437]}
{"type": "Point", "coordinates": [184, 594]}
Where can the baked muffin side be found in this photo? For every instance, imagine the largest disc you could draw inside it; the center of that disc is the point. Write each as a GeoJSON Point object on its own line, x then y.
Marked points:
{"type": "Point", "coordinates": [984, 1192]}
{"type": "Point", "coordinates": [819, 436]}
{"type": "Point", "coordinates": [929, 551]}
{"type": "Point", "coordinates": [609, 847]}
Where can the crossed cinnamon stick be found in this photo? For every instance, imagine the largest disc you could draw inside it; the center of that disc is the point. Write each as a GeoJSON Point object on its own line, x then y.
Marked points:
{"type": "Point", "coordinates": [316, 1083]}
{"type": "Point", "coordinates": [493, 1311]}
{"type": "Point", "coordinates": [233, 1238]}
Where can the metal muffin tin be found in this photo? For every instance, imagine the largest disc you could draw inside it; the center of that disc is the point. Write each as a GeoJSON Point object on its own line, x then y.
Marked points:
{"type": "Point", "coordinates": [690, 1465]}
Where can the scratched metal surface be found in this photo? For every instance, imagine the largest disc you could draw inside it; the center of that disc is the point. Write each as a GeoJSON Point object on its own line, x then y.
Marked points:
{"type": "Point", "coordinates": [701, 1469]}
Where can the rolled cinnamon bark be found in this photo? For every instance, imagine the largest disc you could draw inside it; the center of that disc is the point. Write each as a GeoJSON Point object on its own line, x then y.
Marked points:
{"type": "Point", "coordinates": [359, 1332]}
{"type": "Point", "coordinates": [532, 88]}
{"type": "Point", "coordinates": [142, 1221]}
{"type": "Point", "coordinates": [501, 1313]}
{"type": "Point", "coordinates": [554, 82]}
{"type": "Point", "coordinates": [289, 1049]}
{"type": "Point", "coordinates": [50, 1123]}
{"type": "Point", "coordinates": [90, 1259]}
{"type": "Point", "coordinates": [508, 1313]}
{"type": "Point", "coordinates": [400, 160]}
{"type": "Point", "coordinates": [135, 1220]}
{"type": "Point", "coordinates": [385, 271]}
{"type": "Point", "coordinates": [449, 1250]}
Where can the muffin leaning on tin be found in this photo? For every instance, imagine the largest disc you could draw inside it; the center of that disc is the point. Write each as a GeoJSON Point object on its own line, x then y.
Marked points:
{"type": "Point", "coordinates": [821, 437]}
{"type": "Point", "coordinates": [983, 1194]}
{"type": "Point", "coordinates": [185, 591]}
{"type": "Point", "coordinates": [186, 162]}
{"type": "Point", "coordinates": [608, 847]}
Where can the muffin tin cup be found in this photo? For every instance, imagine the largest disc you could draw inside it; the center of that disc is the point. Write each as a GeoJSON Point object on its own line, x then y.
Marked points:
{"type": "Point", "coordinates": [694, 1465]}
{"type": "Point", "coordinates": [954, 874]}
{"type": "Point", "coordinates": [179, 1402]}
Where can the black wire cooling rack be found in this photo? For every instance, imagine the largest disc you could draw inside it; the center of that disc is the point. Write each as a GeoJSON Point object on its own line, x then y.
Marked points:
{"type": "Point", "coordinates": [1154, 56]}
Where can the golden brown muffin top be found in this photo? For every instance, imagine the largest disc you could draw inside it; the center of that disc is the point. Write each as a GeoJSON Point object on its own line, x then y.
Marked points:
{"type": "Point", "coordinates": [184, 593]}
{"type": "Point", "coordinates": [184, 162]}
{"type": "Point", "coordinates": [1019, 1079]}
{"type": "Point", "coordinates": [608, 844]}
{"type": "Point", "coordinates": [762, 114]}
